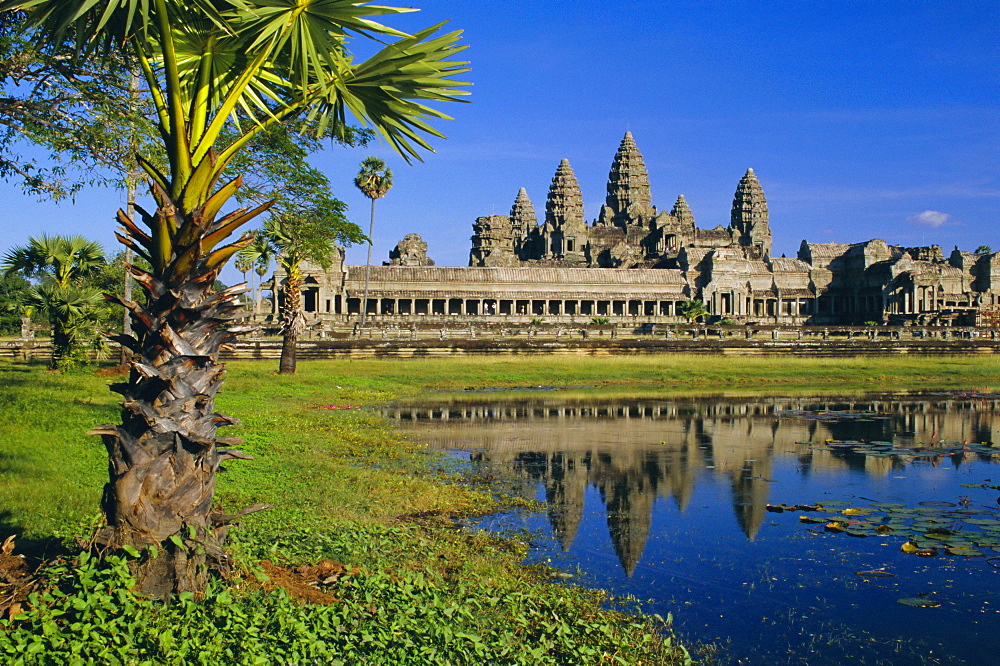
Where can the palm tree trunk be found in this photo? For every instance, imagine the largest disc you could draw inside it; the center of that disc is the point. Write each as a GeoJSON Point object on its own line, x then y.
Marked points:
{"type": "Point", "coordinates": [368, 264]}
{"type": "Point", "coordinates": [60, 343]}
{"type": "Point", "coordinates": [164, 455]}
{"type": "Point", "coordinates": [294, 321]}
{"type": "Point", "coordinates": [131, 184]}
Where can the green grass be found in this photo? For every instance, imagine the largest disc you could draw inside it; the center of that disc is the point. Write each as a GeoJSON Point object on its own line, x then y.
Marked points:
{"type": "Point", "coordinates": [385, 379]}
{"type": "Point", "coordinates": [348, 488]}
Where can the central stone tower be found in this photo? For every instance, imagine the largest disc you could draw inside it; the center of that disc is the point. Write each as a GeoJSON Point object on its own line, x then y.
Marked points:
{"type": "Point", "coordinates": [565, 230]}
{"type": "Point", "coordinates": [629, 197]}
{"type": "Point", "coordinates": [748, 220]}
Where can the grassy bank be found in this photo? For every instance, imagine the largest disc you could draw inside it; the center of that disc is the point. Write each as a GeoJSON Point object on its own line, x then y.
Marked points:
{"type": "Point", "coordinates": [401, 584]}
{"type": "Point", "coordinates": [392, 379]}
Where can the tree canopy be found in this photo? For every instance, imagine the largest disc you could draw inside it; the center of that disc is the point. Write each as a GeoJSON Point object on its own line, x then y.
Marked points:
{"type": "Point", "coordinates": [80, 113]}
{"type": "Point", "coordinates": [208, 65]}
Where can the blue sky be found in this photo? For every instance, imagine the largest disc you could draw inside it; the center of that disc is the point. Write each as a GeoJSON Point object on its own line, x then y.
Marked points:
{"type": "Point", "coordinates": [861, 119]}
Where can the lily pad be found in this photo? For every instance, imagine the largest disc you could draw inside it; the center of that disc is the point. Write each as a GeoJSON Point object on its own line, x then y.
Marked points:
{"type": "Point", "coordinates": [919, 602]}
{"type": "Point", "coordinates": [856, 511]}
{"type": "Point", "coordinates": [920, 549]}
{"type": "Point", "coordinates": [966, 551]}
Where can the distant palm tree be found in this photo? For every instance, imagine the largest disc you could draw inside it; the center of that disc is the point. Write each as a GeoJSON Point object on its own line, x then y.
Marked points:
{"type": "Point", "coordinates": [62, 264]}
{"type": "Point", "coordinates": [692, 309]}
{"type": "Point", "coordinates": [374, 180]}
{"type": "Point", "coordinates": [263, 265]}
{"type": "Point", "coordinates": [243, 264]}
{"type": "Point", "coordinates": [259, 255]}
{"type": "Point", "coordinates": [63, 259]}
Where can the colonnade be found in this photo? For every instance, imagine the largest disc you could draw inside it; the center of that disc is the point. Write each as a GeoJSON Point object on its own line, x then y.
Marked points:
{"type": "Point", "coordinates": [539, 307]}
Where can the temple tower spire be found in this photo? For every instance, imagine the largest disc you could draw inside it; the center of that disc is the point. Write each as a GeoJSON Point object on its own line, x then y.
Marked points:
{"type": "Point", "coordinates": [749, 220]}
{"type": "Point", "coordinates": [682, 211]}
{"type": "Point", "coordinates": [565, 230]}
{"type": "Point", "coordinates": [628, 184]}
{"type": "Point", "coordinates": [522, 214]}
{"type": "Point", "coordinates": [564, 206]}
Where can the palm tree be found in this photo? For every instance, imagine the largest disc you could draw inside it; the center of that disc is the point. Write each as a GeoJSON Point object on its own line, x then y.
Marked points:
{"type": "Point", "coordinates": [293, 240]}
{"type": "Point", "coordinates": [65, 260]}
{"type": "Point", "coordinates": [692, 309]}
{"type": "Point", "coordinates": [374, 180]}
{"type": "Point", "coordinates": [62, 263]}
{"type": "Point", "coordinates": [209, 65]}
{"type": "Point", "coordinates": [261, 254]}
{"type": "Point", "coordinates": [262, 266]}
{"type": "Point", "coordinates": [244, 265]}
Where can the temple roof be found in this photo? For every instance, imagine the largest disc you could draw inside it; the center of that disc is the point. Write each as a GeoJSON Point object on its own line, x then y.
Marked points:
{"type": "Point", "coordinates": [539, 276]}
{"type": "Point", "coordinates": [827, 250]}
{"type": "Point", "coordinates": [682, 211]}
{"type": "Point", "coordinates": [708, 234]}
{"type": "Point", "coordinates": [788, 265]}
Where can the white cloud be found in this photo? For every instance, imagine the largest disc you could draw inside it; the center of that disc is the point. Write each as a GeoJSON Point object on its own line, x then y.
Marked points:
{"type": "Point", "coordinates": [930, 218]}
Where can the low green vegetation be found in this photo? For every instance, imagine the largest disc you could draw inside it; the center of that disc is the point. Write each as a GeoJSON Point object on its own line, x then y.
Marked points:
{"type": "Point", "coordinates": [408, 586]}
{"type": "Point", "coordinates": [364, 525]}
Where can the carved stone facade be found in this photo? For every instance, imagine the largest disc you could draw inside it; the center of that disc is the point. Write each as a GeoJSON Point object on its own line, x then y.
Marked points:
{"type": "Point", "coordinates": [411, 251]}
{"type": "Point", "coordinates": [629, 231]}
{"type": "Point", "coordinates": [637, 262]}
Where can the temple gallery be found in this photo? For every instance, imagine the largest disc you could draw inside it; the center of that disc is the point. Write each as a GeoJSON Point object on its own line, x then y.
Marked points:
{"type": "Point", "coordinates": [643, 263]}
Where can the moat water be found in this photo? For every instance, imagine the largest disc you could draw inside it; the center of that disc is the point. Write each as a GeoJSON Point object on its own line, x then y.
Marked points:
{"type": "Point", "coordinates": [678, 503]}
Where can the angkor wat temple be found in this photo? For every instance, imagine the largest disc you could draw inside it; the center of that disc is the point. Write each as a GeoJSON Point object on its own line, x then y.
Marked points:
{"type": "Point", "coordinates": [629, 232]}
{"type": "Point", "coordinates": [640, 262]}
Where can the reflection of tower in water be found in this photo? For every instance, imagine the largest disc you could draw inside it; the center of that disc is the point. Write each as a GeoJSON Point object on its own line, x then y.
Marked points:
{"type": "Point", "coordinates": [630, 511]}
{"type": "Point", "coordinates": [635, 453]}
{"type": "Point", "coordinates": [564, 491]}
{"type": "Point", "coordinates": [750, 493]}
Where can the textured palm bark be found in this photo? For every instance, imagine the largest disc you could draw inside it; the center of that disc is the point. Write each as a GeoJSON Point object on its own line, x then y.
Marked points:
{"type": "Point", "coordinates": [164, 455]}
{"type": "Point", "coordinates": [293, 322]}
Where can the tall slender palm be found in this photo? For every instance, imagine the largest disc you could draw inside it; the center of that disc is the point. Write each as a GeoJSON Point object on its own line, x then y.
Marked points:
{"type": "Point", "coordinates": [261, 268]}
{"type": "Point", "coordinates": [244, 264]}
{"type": "Point", "coordinates": [206, 64]}
{"type": "Point", "coordinates": [62, 263]}
{"type": "Point", "coordinates": [261, 253]}
{"type": "Point", "coordinates": [374, 180]}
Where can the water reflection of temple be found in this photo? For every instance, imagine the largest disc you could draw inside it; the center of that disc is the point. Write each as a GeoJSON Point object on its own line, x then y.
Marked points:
{"type": "Point", "coordinates": [637, 451]}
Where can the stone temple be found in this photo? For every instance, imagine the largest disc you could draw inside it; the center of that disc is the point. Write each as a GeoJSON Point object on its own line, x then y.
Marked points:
{"type": "Point", "coordinates": [638, 262]}
{"type": "Point", "coordinates": [629, 233]}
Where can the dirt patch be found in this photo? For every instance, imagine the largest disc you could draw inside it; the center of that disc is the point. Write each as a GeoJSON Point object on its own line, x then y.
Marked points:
{"type": "Point", "coordinates": [434, 518]}
{"type": "Point", "coordinates": [308, 583]}
{"type": "Point", "coordinates": [16, 580]}
{"type": "Point", "coordinates": [113, 371]}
